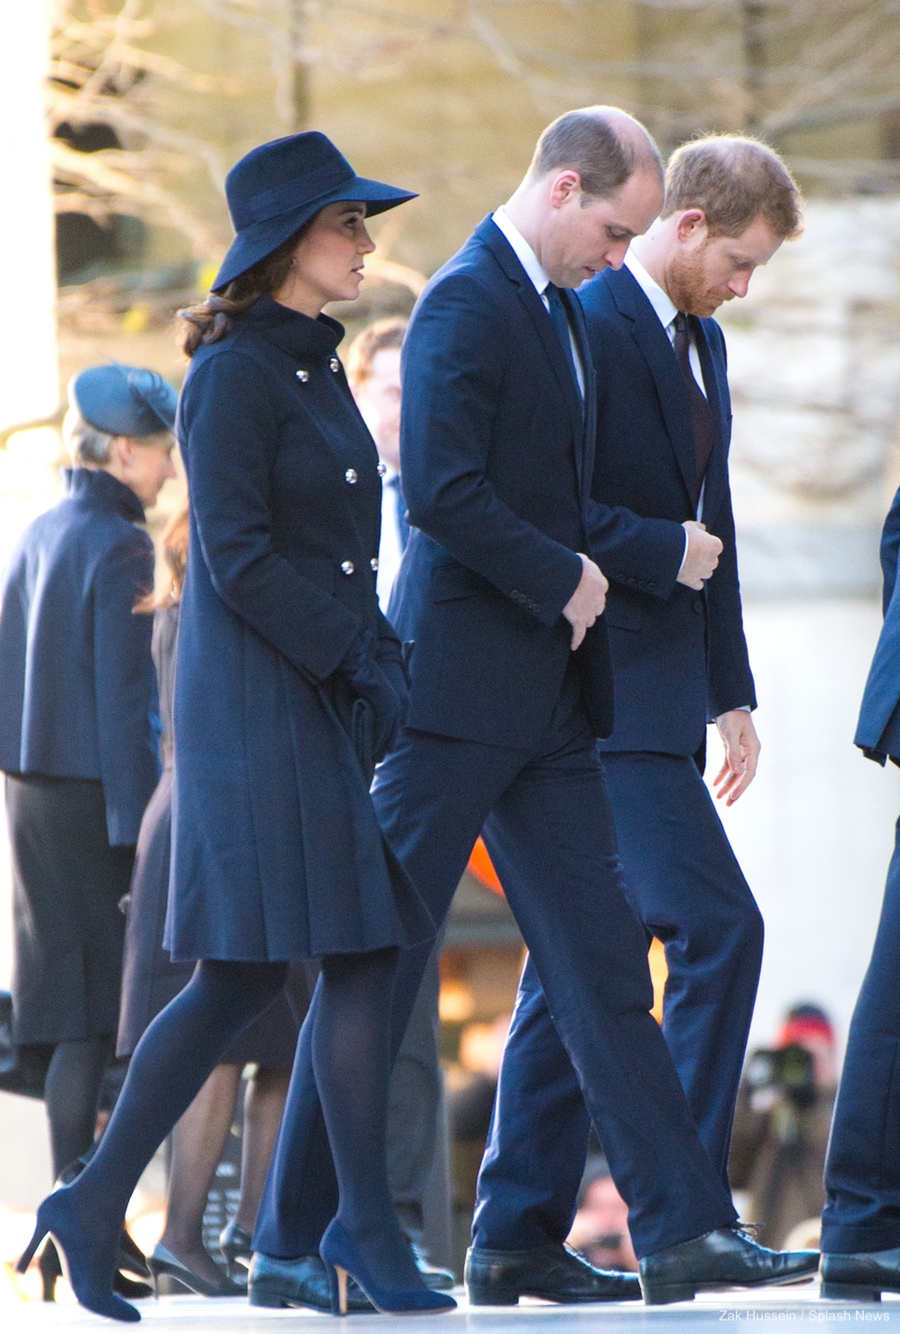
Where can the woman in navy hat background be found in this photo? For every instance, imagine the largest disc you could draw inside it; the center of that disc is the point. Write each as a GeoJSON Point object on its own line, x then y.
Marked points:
{"type": "Point", "coordinates": [289, 684]}
{"type": "Point", "coordinates": [77, 737]}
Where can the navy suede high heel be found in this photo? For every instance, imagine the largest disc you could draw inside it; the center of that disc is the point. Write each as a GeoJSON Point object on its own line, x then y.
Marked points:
{"type": "Point", "coordinates": [91, 1280]}
{"type": "Point", "coordinates": [338, 1250]}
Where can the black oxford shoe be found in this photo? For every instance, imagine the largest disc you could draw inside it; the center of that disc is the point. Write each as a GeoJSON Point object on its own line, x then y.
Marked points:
{"type": "Point", "coordinates": [862, 1277]}
{"type": "Point", "coordinates": [301, 1282]}
{"type": "Point", "coordinates": [554, 1273]}
{"type": "Point", "coordinates": [726, 1258]}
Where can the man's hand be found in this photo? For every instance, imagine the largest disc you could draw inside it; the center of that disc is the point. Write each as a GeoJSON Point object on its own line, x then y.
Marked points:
{"type": "Point", "coordinates": [741, 754]}
{"type": "Point", "coordinates": [701, 557]}
{"type": "Point", "coordinates": [588, 600]}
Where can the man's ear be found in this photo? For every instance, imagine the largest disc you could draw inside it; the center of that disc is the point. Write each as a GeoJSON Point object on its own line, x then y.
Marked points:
{"type": "Point", "coordinates": [691, 225]}
{"type": "Point", "coordinates": [565, 185]}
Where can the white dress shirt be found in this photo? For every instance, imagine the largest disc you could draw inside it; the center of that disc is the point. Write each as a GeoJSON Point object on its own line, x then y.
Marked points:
{"type": "Point", "coordinates": [538, 275]}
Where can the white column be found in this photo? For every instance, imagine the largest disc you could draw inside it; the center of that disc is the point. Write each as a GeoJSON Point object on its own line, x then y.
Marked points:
{"type": "Point", "coordinates": [28, 367]}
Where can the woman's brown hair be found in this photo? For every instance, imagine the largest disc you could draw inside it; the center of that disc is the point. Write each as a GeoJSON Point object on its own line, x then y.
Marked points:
{"type": "Point", "coordinates": [174, 549]}
{"type": "Point", "coordinates": [212, 319]}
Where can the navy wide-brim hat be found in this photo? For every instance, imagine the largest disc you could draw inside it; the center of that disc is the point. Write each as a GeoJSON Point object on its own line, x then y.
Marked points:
{"type": "Point", "coordinates": [124, 400]}
{"type": "Point", "coordinates": [278, 186]}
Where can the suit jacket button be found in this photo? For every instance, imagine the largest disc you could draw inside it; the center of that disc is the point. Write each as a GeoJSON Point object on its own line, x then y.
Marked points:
{"type": "Point", "coordinates": [382, 469]}
{"type": "Point", "coordinates": [351, 476]}
{"type": "Point", "coordinates": [303, 376]}
{"type": "Point", "coordinates": [347, 567]}
{"type": "Point", "coordinates": [335, 365]}
{"type": "Point", "coordinates": [374, 562]}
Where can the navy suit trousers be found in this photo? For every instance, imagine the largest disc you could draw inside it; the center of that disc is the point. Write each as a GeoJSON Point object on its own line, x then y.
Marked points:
{"type": "Point", "coordinates": [862, 1170]}
{"type": "Point", "coordinates": [686, 887]}
{"type": "Point", "coordinates": [547, 823]}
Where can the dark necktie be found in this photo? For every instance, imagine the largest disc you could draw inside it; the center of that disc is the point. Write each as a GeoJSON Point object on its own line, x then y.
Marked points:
{"type": "Point", "coordinates": [701, 413]}
{"type": "Point", "coordinates": [560, 320]}
{"type": "Point", "coordinates": [400, 510]}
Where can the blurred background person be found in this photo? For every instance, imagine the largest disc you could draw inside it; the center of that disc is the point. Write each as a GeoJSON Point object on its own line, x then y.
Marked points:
{"type": "Point", "coordinates": [473, 1086]}
{"type": "Point", "coordinates": [781, 1125]}
{"type": "Point", "coordinates": [373, 370]}
{"type": "Point", "coordinates": [78, 737]}
{"type": "Point", "coordinates": [416, 1111]}
{"type": "Point", "coordinates": [151, 979]}
{"type": "Point", "coordinates": [600, 1227]}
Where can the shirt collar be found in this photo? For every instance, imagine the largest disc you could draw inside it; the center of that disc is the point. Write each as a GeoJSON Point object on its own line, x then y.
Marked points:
{"type": "Point", "coordinates": [662, 303]}
{"type": "Point", "coordinates": [523, 251]}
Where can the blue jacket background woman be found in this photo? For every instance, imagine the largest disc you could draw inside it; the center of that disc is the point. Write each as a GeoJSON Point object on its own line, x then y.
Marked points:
{"type": "Point", "coordinates": [78, 741]}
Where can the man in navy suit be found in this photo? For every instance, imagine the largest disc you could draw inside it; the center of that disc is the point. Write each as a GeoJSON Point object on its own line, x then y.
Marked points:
{"type": "Point", "coordinates": [680, 661]}
{"type": "Point", "coordinates": [861, 1221]}
{"type": "Point", "coordinates": [497, 601]}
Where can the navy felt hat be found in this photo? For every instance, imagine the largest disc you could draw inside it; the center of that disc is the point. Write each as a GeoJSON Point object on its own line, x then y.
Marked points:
{"type": "Point", "coordinates": [278, 186]}
{"type": "Point", "coordinates": [124, 400]}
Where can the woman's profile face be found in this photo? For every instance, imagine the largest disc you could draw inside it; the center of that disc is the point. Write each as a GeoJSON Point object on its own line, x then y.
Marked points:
{"type": "Point", "coordinates": [329, 258]}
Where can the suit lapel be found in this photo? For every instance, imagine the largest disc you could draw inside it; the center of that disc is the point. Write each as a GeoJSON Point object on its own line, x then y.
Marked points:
{"type": "Point", "coordinates": [543, 325]}
{"type": "Point", "coordinates": [654, 346]}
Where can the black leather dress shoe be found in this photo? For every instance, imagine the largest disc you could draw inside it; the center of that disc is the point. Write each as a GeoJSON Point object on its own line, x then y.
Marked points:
{"type": "Point", "coordinates": [726, 1258]}
{"type": "Point", "coordinates": [862, 1277]}
{"type": "Point", "coordinates": [554, 1273]}
{"type": "Point", "coordinates": [301, 1282]}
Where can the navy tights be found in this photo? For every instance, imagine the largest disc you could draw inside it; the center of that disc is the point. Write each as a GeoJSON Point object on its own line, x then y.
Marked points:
{"type": "Point", "coordinates": [349, 1032]}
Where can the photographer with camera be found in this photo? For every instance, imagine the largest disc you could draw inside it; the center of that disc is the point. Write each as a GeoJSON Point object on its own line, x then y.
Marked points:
{"type": "Point", "coordinates": [781, 1125]}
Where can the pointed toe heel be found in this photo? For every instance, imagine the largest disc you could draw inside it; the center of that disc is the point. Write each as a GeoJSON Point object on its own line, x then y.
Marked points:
{"type": "Point", "coordinates": [88, 1272]}
{"type": "Point", "coordinates": [343, 1260]}
{"type": "Point", "coordinates": [163, 1264]}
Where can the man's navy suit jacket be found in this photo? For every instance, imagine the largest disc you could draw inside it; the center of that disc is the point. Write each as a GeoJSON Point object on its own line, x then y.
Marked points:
{"type": "Point", "coordinates": [878, 730]}
{"type": "Point", "coordinates": [497, 457]}
{"type": "Point", "coordinates": [679, 656]}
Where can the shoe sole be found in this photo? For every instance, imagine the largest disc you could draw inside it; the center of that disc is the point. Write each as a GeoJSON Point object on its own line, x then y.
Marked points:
{"type": "Point", "coordinates": [663, 1294]}
{"type": "Point", "coordinates": [853, 1292]}
{"type": "Point", "coordinates": [510, 1297]}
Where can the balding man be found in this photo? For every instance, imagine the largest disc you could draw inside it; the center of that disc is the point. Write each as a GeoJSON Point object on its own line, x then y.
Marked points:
{"type": "Point", "coordinates": [498, 602]}
{"type": "Point", "coordinates": [680, 662]}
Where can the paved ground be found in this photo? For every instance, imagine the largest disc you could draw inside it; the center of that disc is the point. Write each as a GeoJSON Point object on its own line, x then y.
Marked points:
{"type": "Point", "coordinates": [797, 1307]}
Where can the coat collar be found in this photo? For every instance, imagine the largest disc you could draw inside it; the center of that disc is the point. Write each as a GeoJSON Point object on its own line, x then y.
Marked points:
{"type": "Point", "coordinates": [96, 487]}
{"type": "Point", "coordinates": [581, 415]}
{"type": "Point", "coordinates": [300, 337]}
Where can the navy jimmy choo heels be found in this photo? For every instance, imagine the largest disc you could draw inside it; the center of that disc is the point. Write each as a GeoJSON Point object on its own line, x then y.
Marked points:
{"type": "Point", "coordinates": [89, 1274]}
{"type": "Point", "coordinates": [338, 1250]}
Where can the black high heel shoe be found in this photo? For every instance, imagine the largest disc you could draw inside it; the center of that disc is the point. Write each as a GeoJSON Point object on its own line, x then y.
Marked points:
{"type": "Point", "coordinates": [89, 1274]}
{"type": "Point", "coordinates": [342, 1260]}
{"type": "Point", "coordinates": [163, 1264]}
{"type": "Point", "coordinates": [236, 1244]}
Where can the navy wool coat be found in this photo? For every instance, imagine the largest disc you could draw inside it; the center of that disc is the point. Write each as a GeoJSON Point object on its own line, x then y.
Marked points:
{"type": "Point", "coordinates": [878, 730]}
{"type": "Point", "coordinates": [680, 657]}
{"type": "Point", "coordinates": [77, 687]}
{"type": "Point", "coordinates": [276, 850]}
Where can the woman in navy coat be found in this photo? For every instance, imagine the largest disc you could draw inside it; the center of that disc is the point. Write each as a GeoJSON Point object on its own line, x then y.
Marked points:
{"type": "Point", "coordinates": [289, 683]}
{"type": "Point", "coordinates": [77, 736]}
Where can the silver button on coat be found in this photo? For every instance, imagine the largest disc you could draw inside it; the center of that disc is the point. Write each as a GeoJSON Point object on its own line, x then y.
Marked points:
{"type": "Point", "coordinates": [347, 567]}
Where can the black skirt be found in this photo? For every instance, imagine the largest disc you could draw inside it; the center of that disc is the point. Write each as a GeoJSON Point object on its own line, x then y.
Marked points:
{"type": "Point", "coordinates": [68, 927]}
{"type": "Point", "coordinates": [151, 979]}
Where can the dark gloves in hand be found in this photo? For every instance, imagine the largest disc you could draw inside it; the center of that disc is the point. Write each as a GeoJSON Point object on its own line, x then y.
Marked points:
{"type": "Point", "coordinates": [379, 678]}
